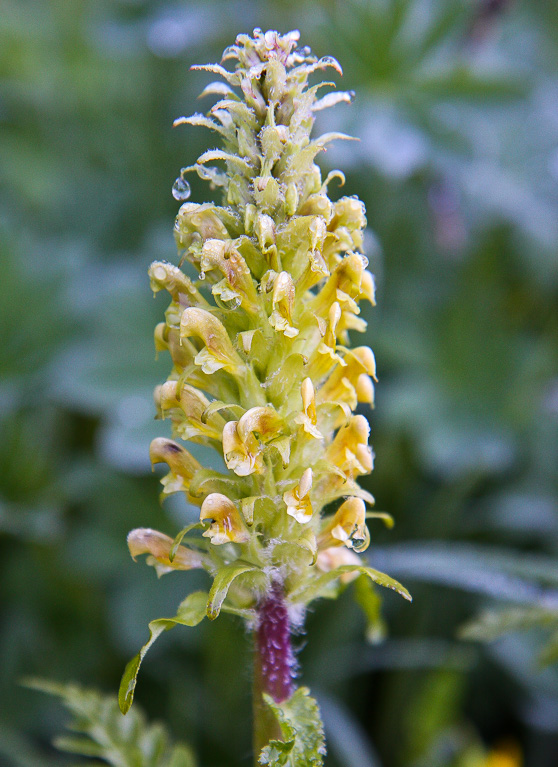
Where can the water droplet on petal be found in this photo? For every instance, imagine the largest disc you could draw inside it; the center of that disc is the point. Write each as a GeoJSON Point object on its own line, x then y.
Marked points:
{"type": "Point", "coordinates": [181, 189]}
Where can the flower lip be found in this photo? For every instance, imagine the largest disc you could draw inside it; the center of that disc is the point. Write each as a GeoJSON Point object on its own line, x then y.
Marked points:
{"type": "Point", "coordinates": [226, 522]}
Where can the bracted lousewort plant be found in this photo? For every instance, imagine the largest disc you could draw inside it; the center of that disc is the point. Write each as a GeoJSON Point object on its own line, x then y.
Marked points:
{"type": "Point", "coordinates": [262, 372]}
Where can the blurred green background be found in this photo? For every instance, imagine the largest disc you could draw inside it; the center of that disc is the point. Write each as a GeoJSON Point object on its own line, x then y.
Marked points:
{"type": "Point", "coordinates": [457, 115]}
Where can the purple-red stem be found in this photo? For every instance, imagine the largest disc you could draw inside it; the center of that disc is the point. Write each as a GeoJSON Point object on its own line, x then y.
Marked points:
{"type": "Point", "coordinates": [273, 646]}
{"type": "Point", "coordinates": [274, 664]}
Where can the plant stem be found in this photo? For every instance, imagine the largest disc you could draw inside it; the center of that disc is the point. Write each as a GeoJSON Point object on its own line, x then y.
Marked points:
{"type": "Point", "coordinates": [274, 665]}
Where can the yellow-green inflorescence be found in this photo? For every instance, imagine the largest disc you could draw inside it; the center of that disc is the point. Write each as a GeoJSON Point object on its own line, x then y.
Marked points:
{"type": "Point", "coordinates": [262, 370]}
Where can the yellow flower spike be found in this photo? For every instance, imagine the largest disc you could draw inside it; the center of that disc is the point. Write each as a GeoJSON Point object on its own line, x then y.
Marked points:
{"type": "Point", "coordinates": [298, 499]}
{"type": "Point", "coordinates": [181, 463]}
{"type": "Point", "coordinates": [226, 525]}
{"type": "Point", "coordinates": [244, 459]}
{"type": "Point", "coordinates": [347, 528]}
{"type": "Point", "coordinates": [143, 540]}
{"type": "Point", "coordinates": [283, 303]}
{"type": "Point", "coordinates": [308, 418]}
{"type": "Point", "coordinates": [218, 352]}
{"type": "Point", "coordinates": [266, 346]}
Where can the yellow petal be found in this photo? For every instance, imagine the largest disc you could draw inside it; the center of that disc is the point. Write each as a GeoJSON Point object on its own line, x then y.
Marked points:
{"type": "Point", "coordinates": [347, 527]}
{"type": "Point", "coordinates": [263, 421]}
{"type": "Point", "coordinates": [241, 458]}
{"type": "Point", "coordinates": [219, 351]}
{"type": "Point", "coordinates": [226, 526]}
{"type": "Point", "coordinates": [143, 540]}
{"type": "Point", "coordinates": [283, 303]}
{"type": "Point", "coordinates": [298, 499]}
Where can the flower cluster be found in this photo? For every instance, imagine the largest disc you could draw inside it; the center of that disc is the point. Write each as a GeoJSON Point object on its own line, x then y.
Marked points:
{"type": "Point", "coordinates": [258, 335]}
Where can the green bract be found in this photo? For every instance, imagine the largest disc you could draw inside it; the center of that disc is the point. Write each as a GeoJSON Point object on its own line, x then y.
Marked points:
{"type": "Point", "coordinates": [261, 366]}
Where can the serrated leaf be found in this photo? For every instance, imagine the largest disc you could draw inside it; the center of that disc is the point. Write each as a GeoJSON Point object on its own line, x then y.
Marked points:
{"type": "Point", "coordinates": [100, 731]}
{"type": "Point", "coordinates": [276, 752]}
{"type": "Point", "coordinates": [302, 729]}
{"type": "Point", "coordinates": [190, 612]}
{"type": "Point", "coordinates": [221, 584]}
{"type": "Point", "coordinates": [320, 584]}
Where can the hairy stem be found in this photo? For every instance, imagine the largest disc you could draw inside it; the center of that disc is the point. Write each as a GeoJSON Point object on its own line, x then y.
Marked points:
{"type": "Point", "coordinates": [274, 665]}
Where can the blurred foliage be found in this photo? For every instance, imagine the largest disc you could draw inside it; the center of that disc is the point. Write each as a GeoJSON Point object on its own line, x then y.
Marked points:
{"type": "Point", "coordinates": [458, 167]}
{"type": "Point", "coordinates": [104, 735]}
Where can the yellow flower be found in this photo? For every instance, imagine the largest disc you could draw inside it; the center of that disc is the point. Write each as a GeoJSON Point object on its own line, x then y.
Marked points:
{"type": "Point", "coordinates": [298, 499]}
{"type": "Point", "coordinates": [347, 527]}
{"type": "Point", "coordinates": [242, 449]}
{"type": "Point", "coordinates": [218, 351]}
{"type": "Point", "coordinates": [308, 418]}
{"type": "Point", "coordinates": [349, 450]}
{"type": "Point", "coordinates": [283, 302]}
{"type": "Point", "coordinates": [226, 525]}
{"type": "Point", "coordinates": [181, 463]}
{"type": "Point", "coordinates": [143, 540]}
{"type": "Point", "coordinates": [352, 382]}
{"type": "Point", "coordinates": [242, 458]}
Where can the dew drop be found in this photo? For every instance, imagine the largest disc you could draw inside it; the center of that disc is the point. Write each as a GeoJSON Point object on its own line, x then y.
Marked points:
{"type": "Point", "coordinates": [181, 189]}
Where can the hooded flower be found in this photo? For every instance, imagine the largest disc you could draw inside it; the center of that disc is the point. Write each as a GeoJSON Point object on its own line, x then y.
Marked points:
{"type": "Point", "coordinates": [226, 521]}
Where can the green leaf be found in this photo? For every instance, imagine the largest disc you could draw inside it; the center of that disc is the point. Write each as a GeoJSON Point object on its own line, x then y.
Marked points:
{"type": "Point", "coordinates": [100, 731]}
{"type": "Point", "coordinates": [320, 585]}
{"type": "Point", "coordinates": [302, 729]}
{"type": "Point", "coordinates": [190, 612]}
{"type": "Point", "coordinates": [81, 746]}
{"type": "Point", "coordinates": [221, 584]}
